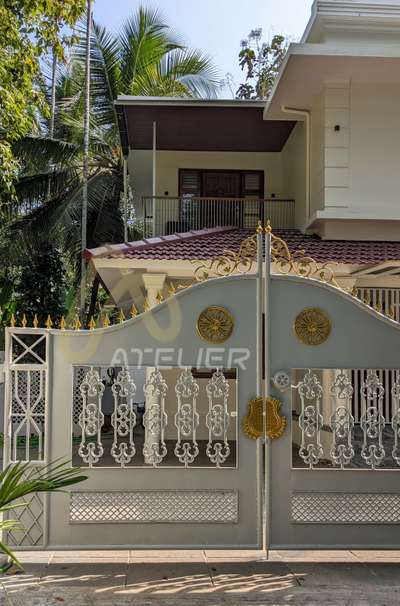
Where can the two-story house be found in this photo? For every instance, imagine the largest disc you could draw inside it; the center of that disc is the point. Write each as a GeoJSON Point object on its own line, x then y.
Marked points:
{"type": "Point", "coordinates": [320, 159]}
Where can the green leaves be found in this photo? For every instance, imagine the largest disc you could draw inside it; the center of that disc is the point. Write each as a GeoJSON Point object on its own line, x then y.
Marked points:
{"type": "Point", "coordinates": [28, 29]}
{"type": "Point", "coordinates": [18, 481]}
{"type": "Point", "coordinates": [261, 62]}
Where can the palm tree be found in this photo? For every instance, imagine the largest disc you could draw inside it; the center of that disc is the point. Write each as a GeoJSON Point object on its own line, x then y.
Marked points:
{"type": "Point", "coordinates": [19, 480]}
{"type": "Point", "coordinates": [145, 58]}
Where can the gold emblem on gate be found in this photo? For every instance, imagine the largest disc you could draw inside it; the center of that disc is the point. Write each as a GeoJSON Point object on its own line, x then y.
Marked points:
{"type": "Point", "coordinates": [215, 324]}
{"type": "Point", "coordinates": [253, 422]}
{"type": "Point", "coordinates": [312, 326]}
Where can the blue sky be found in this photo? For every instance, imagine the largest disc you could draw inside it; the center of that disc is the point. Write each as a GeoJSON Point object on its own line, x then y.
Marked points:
{"type": "Point", "coordinates": [216, 26]}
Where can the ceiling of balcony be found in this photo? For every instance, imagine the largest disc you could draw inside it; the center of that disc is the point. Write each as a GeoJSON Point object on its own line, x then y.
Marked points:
{"type": "Point", "coordinates": [201, 127]}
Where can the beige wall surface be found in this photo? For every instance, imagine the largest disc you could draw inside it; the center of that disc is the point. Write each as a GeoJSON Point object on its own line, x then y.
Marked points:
{"type": "Point", "coordinates": [317, 155]}
{"type": "Point", "coordinates": [375, 150]}
{"type": "Point", "coordinates": [294, 171]}
{"type": "Point", "coordinates": [169, 163]}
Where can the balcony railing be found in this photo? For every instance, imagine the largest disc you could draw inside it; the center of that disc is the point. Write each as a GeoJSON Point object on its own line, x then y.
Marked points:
{"type": "Point", "coordinates": [166, 215]}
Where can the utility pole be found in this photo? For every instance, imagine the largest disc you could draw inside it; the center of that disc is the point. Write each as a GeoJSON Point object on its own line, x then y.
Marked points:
{"type": "Point", "coordinates": [86, 133]}
{"type": "Point", "coordinates": [53, 95]}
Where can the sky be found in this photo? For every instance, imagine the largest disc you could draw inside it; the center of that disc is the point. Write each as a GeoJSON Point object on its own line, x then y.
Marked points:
{"type": "Point", "coordinates": [216, 26]}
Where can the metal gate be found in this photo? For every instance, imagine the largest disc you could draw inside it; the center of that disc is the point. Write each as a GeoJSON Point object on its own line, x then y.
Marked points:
{"type": "Point", "coordinates": [151, 411]}
{"type": "Point", "coordinates": [193, 436]}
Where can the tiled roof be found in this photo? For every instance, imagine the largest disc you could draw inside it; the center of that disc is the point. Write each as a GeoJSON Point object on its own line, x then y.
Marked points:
{"type": "Point", "coordinates": [209, 243]}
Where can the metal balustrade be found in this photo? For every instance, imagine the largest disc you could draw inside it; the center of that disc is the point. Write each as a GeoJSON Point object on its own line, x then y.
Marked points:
{"type": "Point", "coordinates": [167, 215]}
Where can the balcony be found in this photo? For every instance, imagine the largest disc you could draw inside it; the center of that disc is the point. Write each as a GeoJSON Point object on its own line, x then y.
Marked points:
{"type": "Point", "coordinates": [166, 215]}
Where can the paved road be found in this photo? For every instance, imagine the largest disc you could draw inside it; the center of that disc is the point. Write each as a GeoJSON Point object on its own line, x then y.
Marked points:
{"type": "Point", "coordinates": [204, 578]}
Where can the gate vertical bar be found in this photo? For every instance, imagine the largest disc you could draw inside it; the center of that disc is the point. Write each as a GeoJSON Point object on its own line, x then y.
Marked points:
{"type": "Point", "coordinates": [7, 399]}
{"type": "Point", "coordinates": [260, 297]}
{"type": "Point", "coordinates": [259, 373]}
{"type": "Point", "coordinates": [267, 441]}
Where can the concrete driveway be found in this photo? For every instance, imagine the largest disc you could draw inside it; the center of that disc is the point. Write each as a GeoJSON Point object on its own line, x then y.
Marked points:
{"type": "Point", "coordinates": [209, 578]}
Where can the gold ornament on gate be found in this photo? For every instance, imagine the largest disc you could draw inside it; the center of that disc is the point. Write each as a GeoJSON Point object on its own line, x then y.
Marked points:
{"type": "Point", "coordinates": [253, 422]}
{"type": "Point", "coordinates": [215, 324]}
{"type": "Point", "coordinates": [312, 326]}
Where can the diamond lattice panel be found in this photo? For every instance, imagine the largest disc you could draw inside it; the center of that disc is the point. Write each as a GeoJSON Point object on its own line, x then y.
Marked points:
{"type": "Point", "coordinates": [155, 506]}
{"type": "Point", "coordinates": [345, 508]}
{"type": "Point", "coordinates": [31, 517]}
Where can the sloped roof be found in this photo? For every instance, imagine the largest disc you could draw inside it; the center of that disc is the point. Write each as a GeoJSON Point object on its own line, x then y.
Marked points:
{"type": "Point", "coordinates": [209, 243]}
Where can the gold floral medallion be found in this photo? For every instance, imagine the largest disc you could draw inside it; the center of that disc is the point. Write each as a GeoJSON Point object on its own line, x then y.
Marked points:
{"type": "Point", "coordinates": [312, 326]}
{"type": "Point", "coordinates": [215, 324]}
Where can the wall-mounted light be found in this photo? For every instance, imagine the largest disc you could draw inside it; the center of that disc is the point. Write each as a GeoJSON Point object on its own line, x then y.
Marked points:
{"type": "Point", "coordinates": [337, 128]}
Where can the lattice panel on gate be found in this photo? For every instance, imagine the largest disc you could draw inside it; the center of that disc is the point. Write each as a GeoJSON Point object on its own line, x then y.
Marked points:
{"type": "Point", "coordinates": [31, 517]}
{"type": "Point", "coordinates": [345, 508]}
{"type": "Point", "coordinates": [180, 506]}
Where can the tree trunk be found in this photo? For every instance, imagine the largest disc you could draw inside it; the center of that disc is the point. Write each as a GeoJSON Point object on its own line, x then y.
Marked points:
{"type": "Point", "coordinates": [93, 298]}
{"type": "Point", "coordinates": [86, 155]}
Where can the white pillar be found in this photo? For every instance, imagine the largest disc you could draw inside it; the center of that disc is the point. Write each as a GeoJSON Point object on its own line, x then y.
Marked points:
{"type": "Point", "coordinates": [153, 283]}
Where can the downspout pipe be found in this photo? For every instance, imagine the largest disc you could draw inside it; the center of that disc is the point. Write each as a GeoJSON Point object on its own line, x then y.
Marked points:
{"type": "Point", "coordinates": [306, 114]}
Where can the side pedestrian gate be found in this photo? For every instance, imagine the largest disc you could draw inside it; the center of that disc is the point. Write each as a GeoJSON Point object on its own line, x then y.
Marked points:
{"type": "Point", "coordinates": [192, 434]}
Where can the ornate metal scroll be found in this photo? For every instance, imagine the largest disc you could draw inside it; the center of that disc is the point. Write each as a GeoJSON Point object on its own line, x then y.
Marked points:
{"type": "Point", "coordinates": [91, 418]}
{"type": "Point", "coordinates": [229, 262]}
{"type": "Point", "coordinates": [342, 421]}
{"type": "Point", "coordinates": [155, 419]}
{"type": "Point", "coordinates": [123, 419]}
{"type": "Point", "coordinates": [372, 420]}
{"type": "Point", "coordinates": [217, 418]}
{"type": "Point", "coordinates": [310, 419]}
{"type": "Point", "coordinates": [186, 418]}
{"type": "Point", "coordinates": [396, 419]}
{"type": "Point", "coordinates": [299, 263]}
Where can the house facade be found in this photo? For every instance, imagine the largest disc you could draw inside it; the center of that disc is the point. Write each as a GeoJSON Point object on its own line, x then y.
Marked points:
{"type": "Point", "coordinates": [320, 160]}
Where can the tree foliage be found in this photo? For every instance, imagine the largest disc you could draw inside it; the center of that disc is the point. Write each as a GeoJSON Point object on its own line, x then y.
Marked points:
{"type": "Point", "coordinates": [28, 29]}
{"type": "Point", "coordinates": [41, 286]}
{"type": "Point", "coordinates": [144, 58]}
{"type": "Point", "coordinates": [260, 61]}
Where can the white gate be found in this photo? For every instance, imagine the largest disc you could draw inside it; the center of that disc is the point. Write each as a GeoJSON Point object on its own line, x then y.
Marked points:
{"type": "Point", "coordinates": [168, 414]}
{"type": "Point", "coordinates": [150, 410]}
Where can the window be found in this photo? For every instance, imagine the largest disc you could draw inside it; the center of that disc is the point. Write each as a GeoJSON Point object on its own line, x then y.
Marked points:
{"type": "Point", "coordinates": [221, 183]}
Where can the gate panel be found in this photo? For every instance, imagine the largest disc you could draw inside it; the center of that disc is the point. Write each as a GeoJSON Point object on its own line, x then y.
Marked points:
{"type": "Point", "coordinates": [334, 473]}
{"type": "Point", "coordinates": [142, 500]}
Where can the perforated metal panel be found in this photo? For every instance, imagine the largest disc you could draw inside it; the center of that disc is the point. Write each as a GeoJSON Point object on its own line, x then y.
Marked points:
{"type": "Point", "coordinates": [345, 508]}
{"type": "Point", "coordinates": [168, 506]}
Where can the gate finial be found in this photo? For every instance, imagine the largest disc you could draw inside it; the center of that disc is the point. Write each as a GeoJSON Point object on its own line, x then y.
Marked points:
{"type": "Point", "coordinates": [105, 321]}
{"type": "Point", "coordinates": [35, 321]}
{"type": "Point", "coordinates": [49, 322]}
{"type": "Point", "coordinates": [121, 316]}
{"type": "Point", "coordinates": [134, 311]}
{"type": "Point", "coordinates": [12, 321]}
{"type": "Point", "coordinates": [259, 228]}
{"type": "Point", "coordinates": [63, 324]}
{"type": "Point", "coordinates": [92, 323]}
{"type": "Point", "coordinates": [268, 228]}
{"type": "Point", "coordinates": [24, 321]}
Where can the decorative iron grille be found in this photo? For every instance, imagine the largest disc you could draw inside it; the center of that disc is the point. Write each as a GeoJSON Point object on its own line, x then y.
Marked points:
{"type": "Point", "coordinates": [345, 508]}
{"type": "Point", "coordinates": [180, 506]}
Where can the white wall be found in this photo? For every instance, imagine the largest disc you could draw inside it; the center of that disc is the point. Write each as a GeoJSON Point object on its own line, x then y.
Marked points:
{"type": "Point", "coordinates": [375, 150]}
{"type": "Point", "coordinates": [294, 170]}
{"type": "Point", "coordinates": [317, 156]}
{"type": "Point", "coordinates": [169, 163]}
